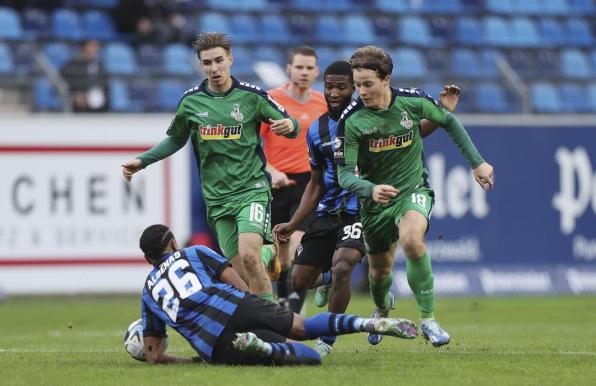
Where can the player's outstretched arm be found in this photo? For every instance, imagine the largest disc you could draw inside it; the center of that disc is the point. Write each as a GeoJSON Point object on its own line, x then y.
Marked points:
{"type": "Point", "coordinates": [155, 352]}
{"type": "Point", "coordinates": [162, 150]}
{"type": "Point", "coordinates": [449, 98]}
{"type": "Point", "coordinates": [310, 199]}
{"type": "Point", "coordinates": [230, 276]}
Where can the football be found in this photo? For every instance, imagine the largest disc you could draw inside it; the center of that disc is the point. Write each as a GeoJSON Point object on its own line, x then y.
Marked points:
{"type": "Point", "coordinates": [133, 340]}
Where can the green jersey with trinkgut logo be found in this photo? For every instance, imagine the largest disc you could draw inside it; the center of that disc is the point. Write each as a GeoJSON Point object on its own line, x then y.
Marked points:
{"type": "Point", "coordinates": [386, 145]}
{"type": "Point", "coordinates": [224, 129]}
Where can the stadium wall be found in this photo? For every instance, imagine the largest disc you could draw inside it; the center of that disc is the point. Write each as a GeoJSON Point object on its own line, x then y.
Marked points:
{"type": "Point", "coordinates": [69, 221]}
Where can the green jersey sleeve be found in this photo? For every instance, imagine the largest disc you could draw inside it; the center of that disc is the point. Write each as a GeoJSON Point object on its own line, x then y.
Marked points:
{"type": "Point", "coordinates": [269, 109]}
{"type": "Point", "coordinates": [179, 127]}
{"type": "Point", "coordinates": [455, 130]}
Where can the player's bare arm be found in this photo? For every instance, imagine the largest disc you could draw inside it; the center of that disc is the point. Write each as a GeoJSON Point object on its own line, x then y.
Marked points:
{"type": "Point", "coordinates": [155, 352]}
{"type": "Point", "coordinates": [279, 179]}
{"type": "Point", "coordinates": [230, 276]}
{"type": "Point", "coordinates": [449, 98]}
{"type": "Point", "coordinates": [310, 199]}
{"type": "Point", "coordinates": [483, 174]}
{"type": "Point", "coordinates": [131, 167]}
{"type": "Point", "coordinates": [281, 126]}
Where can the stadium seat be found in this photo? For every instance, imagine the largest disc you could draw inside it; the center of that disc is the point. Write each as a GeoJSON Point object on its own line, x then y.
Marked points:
{"type": "Point", "coordinates": [238, 5]}
{"type": "Point", "coordinates": [150, 59]}
{"type": "Point", "coordinates": [24, 61]}
{"type": "Point", "coordinates": [326, 56]}
{"type": "Point", "coordinates": [441, 31]}
{"type": "Point", "coordinates": [58, 53]}
{"type": "Point", "coordinates": [575, 64]}
{"type": "Point", "coordinates": [243, 59]}
{"type": "Point", "coordinates": [119, 59]}
{"type": "Point", "coordinates": [465, 63]}
{"type": "Point", "coordinates": [527, 7]}
{"type": "Point", "coordinates": [6, 60]}
{"type": "Point", "coordinates": [301, 27]}
{"type": "Point", "coordinates": [593, 56]}
{"type": "Point", "coordinates": [500, 6]}
{"type": "Point", "coordinates": [524, 33]}
{"type": "Point", "coordinates": [119, 96]}
{"type": "Point", "coordinates": [496, 31]}
{"type": "Point", "coordinates": [169, 92]}
{"type": "Point", "coordinates": [555, 7]}
{"type": "Point", "coordinates": [574, 98]}
{"type": "Point", "coordinates": [36, 22]}
{"type": "Point", "coordinates": [178, 60]}
{"type": "Point", "coordinates": [468, 31]}
{"type": "Point", "coordinates": [432, 88]}
{"type": "Point", "coordinates": [522, 61]}
{"type": "Point", "coordinates": [442, 7]}
{"type": "Point", "coordinates": [591, 98]}
{"type": "Point", "coordinates": [551, 33]}
{"type": "Point", "coordinates": [269, 54]}
{"type": "Point", "coordinates": [408, 63]}
{"type": "Point", "coordinates": [358, 30]}
{"type": "Point", "coordinates": [213, 21]}
{"type": "Point", "coordinates": [581, 7]}
{"type": "Point", "coordinates": [45, 96]}
{"type": "Point", "coordinates": [545, 98]}
{"type": "Point", "coordinates": [244, 29]}
{"type": "Point", "coordinates": [328, 29]}
{"type": "Point", "coordinates": [98, 25]}
{"type": "Point", "coordinates": [415, 31]}
{"type": "Point", "coordinates": [274, 29]}
{"type": "Point", "coordinates": [66, 24]}
{"type": "Point", "coordinates": [491, 98]}
{"type": "Point", "coordinates": [548, 64]}
{"type": "Point", "coordinates": [489, 67]}
{"type": "Point", "coordinates": [345, 52]}
{"type": "Point", "coordinates": [103, 3]}
{"type": "Point", "coordinates": [578, 33]}
{"type": "Point", "coordinates": [393, 6]}
{"type": "Point", "coordinates": [10, 24]}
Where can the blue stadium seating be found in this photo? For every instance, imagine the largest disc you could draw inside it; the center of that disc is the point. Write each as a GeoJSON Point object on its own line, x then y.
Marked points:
{"type": "Point", "coordinates": [178, 60]}
{"type": "Point", "coordinates": [581, 7]}
{"type": "Point", "coordinates": [465, 63]}
{"type": "Point", "coordinates": [574, 98]}
{"type": "Point", "coordinates": [551, 33]}
{"type": "Point", "coordinates": [45, 97]}
{"type": "Point", "coordinates": [591, 97]}
{"type": "Point", "coordinates": [545, 98]}
{"type": "Point", "coordinates": [328, 29]}
{"type": "Point", "coordinates": [524, 32]}
{"type": "Point", "coordinates": [393, 6]}
{"type": "Point", "coordinates": [489, 67]}
{"type": "Point", "coordinates": [408, 63]}
{"type": "Point", "coordinates": [269, 54]}
{"type": "Point", "coordinates": [358, 30]}
{"type": "Point", "coordinates": [442, 7]}
{"type": "Point", "coordinates": [10, 24]}
{"type": "Point", "coordinates": [119, 96]}
{"type": "Point", "coordinates": [274, 29]}
{"type": "Point", "coordinates": [58, 53]}
{"type": "Point", "coordinates": [169, 92]}
{"type": "Point", "coordinates": [326, 56]}
{"type": "Point", "coordinates": [496, 31]}
{"type": "Point", "coordinates": [98, 25]}
{"type": "Point", "coordinates": [415, 31]}
{"type": "Point", "coordinates": [555, 7]}
{"type": "Point", "coordinates": [578, 33]}
{"type": "Point", "coordinates": [6, 60]}
{"type": "Point", "coordinates": [214, 21]}
{"type": "Point", "coordinates": [36, 23]}
{"type": "Point", "coordinates": [149, 59]}
{"type": "Point", "coordinates": [119, 59]}
{"type": "Point", "coordinates": [491, 98]}
{"type": "Point", "coordinates": [104, 3]}
{"type": "Point", "coordinates": [527, 7]}
{"type": "Point", "coordinates": [547, 64]}
{"type": "Point", "coordinates": [243, 60]}
{"type": "Point", "coordinates": [66, 24]}
{"type": "Point", "coordinates": [238, 5]}
{"type": "Point", "coordinates": [500, 6]}
{"type": "Point", "coordinates": [24, 61]}
{"type": "Point", "coordinates": [244, 29]}
{"type": "Point", "coordinates": [468, 31]}
{"type": "Point", "coordinates": [575, 64]}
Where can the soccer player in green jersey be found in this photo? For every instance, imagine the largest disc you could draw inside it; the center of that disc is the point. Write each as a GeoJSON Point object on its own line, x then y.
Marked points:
{"type": "Point", "coordinates": [380, 134]}
{"type": "Point", "coordinates": [222, 116]}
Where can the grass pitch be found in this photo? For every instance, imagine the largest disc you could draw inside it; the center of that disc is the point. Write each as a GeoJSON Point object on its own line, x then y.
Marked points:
{"type": "Point", "coordinates": [496, 341]}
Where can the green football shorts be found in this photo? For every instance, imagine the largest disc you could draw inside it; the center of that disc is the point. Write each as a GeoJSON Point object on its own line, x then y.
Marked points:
{"type": "Point", "coordinates": [380, 228]}
{"type": "Point", "coordinates": [250, 214]}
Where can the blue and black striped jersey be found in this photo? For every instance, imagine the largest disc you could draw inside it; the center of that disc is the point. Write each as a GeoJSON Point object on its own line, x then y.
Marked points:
{"type": "Point", "coordinates": [185, 292]}
{"type": "Point", "coordinates": [322, 140]}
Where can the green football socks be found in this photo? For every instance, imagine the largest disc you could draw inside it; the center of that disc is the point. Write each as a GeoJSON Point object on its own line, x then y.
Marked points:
{"type": "Point", "coordinates": [421, 281]}
{"type": "Point", "coordinates": [266, 254]}
{"type": "Point", "coordinates": [379, 290]}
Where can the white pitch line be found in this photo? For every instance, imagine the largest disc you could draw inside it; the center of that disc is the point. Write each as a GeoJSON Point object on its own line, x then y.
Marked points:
{"type": "Point", "coordinates": [66, 350]}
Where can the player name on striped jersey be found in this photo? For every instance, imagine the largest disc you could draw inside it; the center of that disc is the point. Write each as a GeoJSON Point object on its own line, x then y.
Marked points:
{"type": "Point", "coordinates": [220, 131]}
{"type": "Point", "coordinates": [393, 142]}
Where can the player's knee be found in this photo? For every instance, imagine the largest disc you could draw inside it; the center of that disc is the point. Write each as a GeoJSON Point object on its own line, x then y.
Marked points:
{"type": "Point", "coordinates": [413, 246]}
{"type": "Point", "coordinates": [342, 271]}
{"type": "Point", "coordinates": [300, 282]}
{"type": "Point", "coordinates": [378, 274]}
{"type": "Point", "coordinates": [250, 261]}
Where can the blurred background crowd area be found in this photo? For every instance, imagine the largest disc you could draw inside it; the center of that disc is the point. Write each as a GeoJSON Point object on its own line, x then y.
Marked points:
{"type": "Point", "coordinates": [508, 56]}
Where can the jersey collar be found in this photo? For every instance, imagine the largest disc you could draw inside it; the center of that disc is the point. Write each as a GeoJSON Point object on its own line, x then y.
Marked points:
{"type": "Point", "coordinates": [203, 88]}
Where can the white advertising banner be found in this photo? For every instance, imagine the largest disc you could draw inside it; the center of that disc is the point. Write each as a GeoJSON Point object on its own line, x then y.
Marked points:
{"type": "Point", "coordinates": [66, 210]}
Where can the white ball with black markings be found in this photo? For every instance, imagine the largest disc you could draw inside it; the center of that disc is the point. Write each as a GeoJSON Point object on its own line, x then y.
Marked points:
{"type": "Point", "coordinates": [133, 340]}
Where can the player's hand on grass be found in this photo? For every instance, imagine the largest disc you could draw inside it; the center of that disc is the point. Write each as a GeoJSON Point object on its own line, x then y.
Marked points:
{"type": "Point", "coordinates": [483, 174]}
{"type": "Point", "coordinates": [131, 167]}
{"type": "Point", "coordinates": [283, 231]}
{"type": "Point", "coordinates": [281, 126]}
{"type": "Point", "coordinates": [449, 97]}
{"type": "Point", "coordinates": [383, 193]}
{"type": "Point", "coordinates": [280, 179]}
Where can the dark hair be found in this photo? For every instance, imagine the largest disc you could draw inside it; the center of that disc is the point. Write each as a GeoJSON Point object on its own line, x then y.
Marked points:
{"type": "Point", "coordinates": [372, 58]}
{"type": "Point", "coordinates": [208, 40]}
{"type": "Point", "coordinates": [154, 240]}
{"type": "Point", "coordinates": [340, 67]}
{"type": "Point", "coordinates": [301, 50]}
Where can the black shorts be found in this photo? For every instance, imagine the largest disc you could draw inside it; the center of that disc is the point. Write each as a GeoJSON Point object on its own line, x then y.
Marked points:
{"type": "Point", "coordinates": [326, 234]}
{"type": "Point", "coordinates": [286, 201]}
{"type": "Point", "coordinates": [269, 321]}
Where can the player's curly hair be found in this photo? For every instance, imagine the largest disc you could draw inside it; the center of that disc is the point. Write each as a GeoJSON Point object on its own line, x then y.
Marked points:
{"type": "Point", "coordinates": [208, 40]}
{"type": "Point", "coordinates": [153, 241]}
{"type": "Point", "coordinates": [372, 58]}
